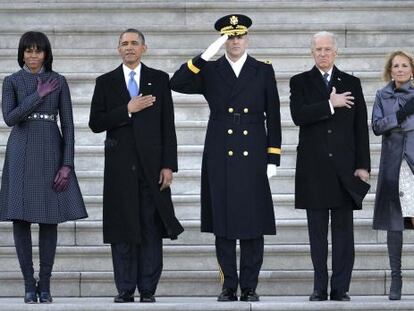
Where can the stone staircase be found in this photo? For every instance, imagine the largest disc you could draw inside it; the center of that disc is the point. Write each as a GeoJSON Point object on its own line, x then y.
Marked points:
{"type": "Point", "coordinates": [84, 38]}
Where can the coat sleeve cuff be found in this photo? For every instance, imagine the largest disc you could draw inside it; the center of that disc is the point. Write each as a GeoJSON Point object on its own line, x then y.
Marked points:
{"type": "Point", "coordinates": [196, 64]}
{"type": "Point", "coordinates": [273, 155]}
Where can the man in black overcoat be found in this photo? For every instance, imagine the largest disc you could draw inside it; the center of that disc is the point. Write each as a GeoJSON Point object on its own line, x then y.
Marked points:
{"type": "Point", "coordinates": [333, 162]}
{"type": "Point", "coordinates": [242, 144]}
{"type": "Point", "coordinates": [133, 105]}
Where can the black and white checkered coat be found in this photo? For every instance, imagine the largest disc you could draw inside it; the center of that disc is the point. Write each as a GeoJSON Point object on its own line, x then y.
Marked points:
{"type": "Point", "coordinates": [36, 149]}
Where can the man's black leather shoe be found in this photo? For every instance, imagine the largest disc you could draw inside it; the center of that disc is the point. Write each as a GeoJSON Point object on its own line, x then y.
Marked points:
{"type": "Point", "coordinates": [249, 294]}
{"type": "Point", "coordinates": [318, 296]}
{"type": "Point", "coordinates": [30, 297]}
{"type": "Point", "coordinates": [146, 297]}
{"type": "Point", "coordinates": [124, 297]}
{"type": "Point", "coordinates": [227, 295]}
{"type": "Point", "coordinates": [340, 296]}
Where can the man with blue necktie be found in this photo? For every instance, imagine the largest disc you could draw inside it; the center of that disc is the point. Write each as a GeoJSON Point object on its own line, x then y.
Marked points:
{"type": "Point", "coordinates": [133, 104]}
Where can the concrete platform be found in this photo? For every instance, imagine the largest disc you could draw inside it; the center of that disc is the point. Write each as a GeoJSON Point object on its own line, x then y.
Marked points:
{"type": "Point", "coordinates": [291, 303]}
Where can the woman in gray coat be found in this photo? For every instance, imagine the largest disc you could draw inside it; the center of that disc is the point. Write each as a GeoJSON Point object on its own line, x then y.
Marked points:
{"type": "Point", "coordinates": [393, 118]}
{"type": "Point", "coordinates": [38, 182]}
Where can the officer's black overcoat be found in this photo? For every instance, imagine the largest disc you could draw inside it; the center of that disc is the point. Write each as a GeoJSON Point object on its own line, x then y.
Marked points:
{"type": "Point", "coordinates": [243, 136]}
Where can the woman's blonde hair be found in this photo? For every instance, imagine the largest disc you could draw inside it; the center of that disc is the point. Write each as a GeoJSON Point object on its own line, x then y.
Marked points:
{"type": "Point", "coordinates": [388, 63]}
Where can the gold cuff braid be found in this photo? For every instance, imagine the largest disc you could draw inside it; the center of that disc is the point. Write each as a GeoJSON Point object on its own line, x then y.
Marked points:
{"type": "Point", "coordinates": [193, 68]}
{"type": "Point", "coordinates": [274, 150]}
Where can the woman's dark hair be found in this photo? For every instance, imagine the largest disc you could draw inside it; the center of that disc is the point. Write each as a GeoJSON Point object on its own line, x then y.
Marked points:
{"type": "Point", "coordinates": [38, 40]}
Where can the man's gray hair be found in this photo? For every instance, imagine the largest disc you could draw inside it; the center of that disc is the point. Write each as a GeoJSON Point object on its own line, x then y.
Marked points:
{"type": "Point", "coordinates": [324, 34]}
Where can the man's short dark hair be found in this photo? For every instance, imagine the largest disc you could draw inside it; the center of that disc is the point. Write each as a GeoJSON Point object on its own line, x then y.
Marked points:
{"type": "Point", "coordinates": [37, 40]}
{"type": "Point", "coordinates": [133, 30]}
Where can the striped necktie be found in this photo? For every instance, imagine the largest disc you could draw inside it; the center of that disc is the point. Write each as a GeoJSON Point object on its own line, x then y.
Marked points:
{"type": "Point", "coordinates": [325, 79]}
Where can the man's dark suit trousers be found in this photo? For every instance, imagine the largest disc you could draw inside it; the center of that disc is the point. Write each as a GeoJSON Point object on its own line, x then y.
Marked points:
{"type": "Point", "coordinates": [343, 252]}
{"type": "Point", "coordinates": [140, 265]}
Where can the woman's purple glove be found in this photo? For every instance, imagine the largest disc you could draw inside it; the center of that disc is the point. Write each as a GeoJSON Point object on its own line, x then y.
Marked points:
{"type": "Point", "coordinates": [47, 87]}
{"type": "Point", "coordinates": [62, 179]}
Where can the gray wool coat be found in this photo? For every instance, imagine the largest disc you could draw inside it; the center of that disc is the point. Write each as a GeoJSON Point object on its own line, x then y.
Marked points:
{"type": "Point", "coordinates": [397, 144]}
{"type": "Point", "coordinates": [36, 149]}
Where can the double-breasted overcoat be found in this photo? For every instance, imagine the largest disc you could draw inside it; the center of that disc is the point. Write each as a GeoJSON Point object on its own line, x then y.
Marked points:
{"type": "Point", "coordinates": [331, 146]}
{"type": "Point", "coordinates": [397, 145]}
{"type": "Point", "coordinates": [144, 141]}
{"type": "Point", "coordinates": [36, 149]}
{"type": "Point", "coordinates": [243, 136]}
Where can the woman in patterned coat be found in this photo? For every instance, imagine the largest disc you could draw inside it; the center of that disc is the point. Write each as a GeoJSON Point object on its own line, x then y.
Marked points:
{"type": "Point", "coordinates": [393, 118]}
{"type": "Point", "coordinates": [38, 182]}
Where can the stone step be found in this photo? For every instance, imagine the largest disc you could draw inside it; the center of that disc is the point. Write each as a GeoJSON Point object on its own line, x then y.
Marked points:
{"type": "Point", "coordinates": [196, 258]}
{"type": "Point", "coordinates": [202, 303]}
{"type": "Point", "coordinates": [188, 133]}
{"type": "Point", "coordinates": [204, 283]}
{"type": "Point", "coordinates": [194, 107]}
{"type": "Point", "coordinates": [196, 12]}
{"type": "Point", "coordinates": [202, 35]}
{"type": "Point", "coordinates": [187, 207]}
{"type": "Point", "coordinates": [189, 157]}
{"type": "Point", "coordinates": [283, 59]}
{"type": "Point", "coordinates": [188, 182]}
{"type": "Point", "coordinates": [289, 231]}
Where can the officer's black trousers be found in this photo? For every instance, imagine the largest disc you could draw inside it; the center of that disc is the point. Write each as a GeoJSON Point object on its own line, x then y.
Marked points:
{"type": "Point", "coordinates": [343, 251]}
{"type": "Point", "coordinates": [251, 259]}
{"type": "Point", "coordinates": [47, 250]}
{"type": "Point", "coordinates": [140, 265]}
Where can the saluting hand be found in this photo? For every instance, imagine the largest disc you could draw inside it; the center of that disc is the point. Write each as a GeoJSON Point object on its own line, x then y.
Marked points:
{"type": "Point", "coordinates": [138, 103]}
{"type": "Point", "coordinates": [166, 177]}
{"type": "Point", "coordinates": [341, 100]}
{"type": "Point", "coordinates": [214, 47]}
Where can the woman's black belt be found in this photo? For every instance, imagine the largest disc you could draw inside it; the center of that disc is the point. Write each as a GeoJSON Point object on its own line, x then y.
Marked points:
{"type": "Point", "coordinates": [238, 118]}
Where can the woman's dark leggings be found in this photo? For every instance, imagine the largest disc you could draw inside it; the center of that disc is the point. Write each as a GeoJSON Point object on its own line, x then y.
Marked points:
{"type": "Point", "coordinates": [47, 251]}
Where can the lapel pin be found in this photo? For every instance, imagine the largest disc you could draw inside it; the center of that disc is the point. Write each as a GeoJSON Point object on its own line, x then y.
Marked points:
{"type": "Point", "coordinates": [149, 83]}
{"type": "Point", "coordinates": [339, 79]}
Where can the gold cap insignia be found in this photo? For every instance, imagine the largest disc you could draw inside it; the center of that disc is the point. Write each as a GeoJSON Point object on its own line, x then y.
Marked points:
{"type": "Point", "coordinates": [234, 20]}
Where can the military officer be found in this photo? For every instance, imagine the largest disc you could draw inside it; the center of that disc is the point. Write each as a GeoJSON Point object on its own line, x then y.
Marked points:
{"type": "Point", "coordinates": [242, 147]}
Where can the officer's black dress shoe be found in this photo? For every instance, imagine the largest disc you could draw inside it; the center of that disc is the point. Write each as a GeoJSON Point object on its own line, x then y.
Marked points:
{"type": "Point", "coordinates": [146, 297]}
{"type": "Point", "coordinates": [340, 296]}
{"type": "Point", "coordinates": [124, 297]}
{"type": "Point", "coordinates": [227, 295]}
{"type": "Point", "coordinates": [249, 294]}
{"type": "Point", "coordinates": [30, 297]}
{"type": "Point", "coordinates": [318, 296]}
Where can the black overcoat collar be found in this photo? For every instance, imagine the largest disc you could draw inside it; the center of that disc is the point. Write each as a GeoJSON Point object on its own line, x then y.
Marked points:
{"type": "Point", "coordinates": [318, 82]}
{"type": "Point", "coordinates": [247, 73]}
{"type": "Point", "coordinates": [145, 83]}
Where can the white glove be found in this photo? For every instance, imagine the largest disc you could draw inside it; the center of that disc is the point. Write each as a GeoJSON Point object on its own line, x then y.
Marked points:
{"type": "Point", "coordinates": [214, 48]}
{"type": "Point", "coordinates": [271, 170]}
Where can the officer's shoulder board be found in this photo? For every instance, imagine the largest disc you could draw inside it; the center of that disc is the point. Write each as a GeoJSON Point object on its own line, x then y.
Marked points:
{"type": "Point", "coordinates": [268, 62]}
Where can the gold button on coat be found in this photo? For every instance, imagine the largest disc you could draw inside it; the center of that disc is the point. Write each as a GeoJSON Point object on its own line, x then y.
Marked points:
{"type": "Point", "coordinates": [246, 110]}
{"type": "Point", "coordinates": [245, 132]}
{"type": "Point", "coordinates": [230, 153]}
{"type": "Point", "coordinates": [230, 131]}
{"type": "Point", "coordinates": [245, 153]}
{"type": "Point", "coordinates": [231, 110]}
